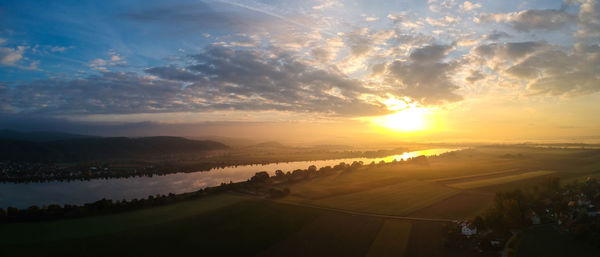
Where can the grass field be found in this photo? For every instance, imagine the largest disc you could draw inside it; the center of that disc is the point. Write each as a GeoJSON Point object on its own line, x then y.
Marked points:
{"type": "Point", "coordinates": [464, 205]}
{"type": "Point", "coordinates": [330, 234]}
{"type": "Point", "coordinates": [397, 199]}
{"type": "Point", "coordinates": [99, 225]}
{"type": "Point", "coordinates": [423, 241]}
{"type": "Point", "coordinates": [392, 239]}
{"type": "Point", "coordinates": [244, 228]}
{"type": "Point", "coordinates": [500, 180]}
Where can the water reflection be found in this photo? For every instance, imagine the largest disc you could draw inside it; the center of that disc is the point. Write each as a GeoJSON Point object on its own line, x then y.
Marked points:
{"type": "Point", "coordinates": [408, 155]}
{"type": "Point", "coordinates": [78, 192]}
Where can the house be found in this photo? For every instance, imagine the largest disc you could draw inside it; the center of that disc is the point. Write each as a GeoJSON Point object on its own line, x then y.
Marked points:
{"type": "Point", "coordinates": [468, 229]}
{"type": "Point", "coordinates": [535, 219]}
{"type": "Point", "coordinates": [495, 242]}
{"type": "Point", "coordinates": [592, 211]}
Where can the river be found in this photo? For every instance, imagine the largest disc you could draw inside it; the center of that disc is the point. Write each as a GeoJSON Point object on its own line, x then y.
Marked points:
{"type": "Point", "coordinates": [23, 195]}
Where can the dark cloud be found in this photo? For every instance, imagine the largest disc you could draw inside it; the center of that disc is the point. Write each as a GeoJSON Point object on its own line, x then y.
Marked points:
{"type": "Point", "coordinates": [359, 42]}
{"type": "Point", "coordinates": [512, 50]}
{"type": "Point", "coordinates": [220, 78]}
{"type": "Point", "coordinates": [111, 92]}
{"type": "Point", "coordinates": [547, 69]}
{"type": "Point", "coordinates": [277, 79]}
{"type": "Point", "coordinates": [199, 16]}
{"type": "Point", "coordinates": [548, 19]}
{"type": "Point", "coordinates": [542, 19]}
{"type": "Point", "coordinates": [425, 77]}
{"type": "Point", "coordinates": [588, 19]}
{"type": "Point", "coordinates": [496, 35]}
{"type": "Point", "coordinates": [431, 53]}
{"type": "Point", "coordinates": [475, 76]}
{"type": "Point", "coordinates": [173, 73]}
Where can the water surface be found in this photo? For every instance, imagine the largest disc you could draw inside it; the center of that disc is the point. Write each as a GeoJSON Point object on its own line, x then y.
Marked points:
{"type": "Point", "coordinates": [79, 192]}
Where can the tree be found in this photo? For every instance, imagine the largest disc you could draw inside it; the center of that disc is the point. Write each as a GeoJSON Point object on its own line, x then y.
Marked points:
{"type": "Point", "coordinates": [512, 214]}
{"type": "Point", "coordinates": [279, 173]}
{"type": "Point", "coordinates": [12, 212]}
{"type": "Point", "coordinates": [479, 223]}
{"type": "Point", "coordinates": [260, 177]}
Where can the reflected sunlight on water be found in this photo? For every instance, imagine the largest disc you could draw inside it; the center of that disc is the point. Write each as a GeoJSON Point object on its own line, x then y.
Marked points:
{"type": "Point", "coordinates": [78, 192]}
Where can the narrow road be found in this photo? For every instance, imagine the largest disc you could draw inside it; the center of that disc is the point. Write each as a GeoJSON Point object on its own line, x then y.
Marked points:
{"type": "Point", "coordinates": [505, 252]}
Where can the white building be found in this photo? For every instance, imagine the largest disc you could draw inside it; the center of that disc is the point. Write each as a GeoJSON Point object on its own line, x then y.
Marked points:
{"type": "Point", "coordinates": [468, 229]}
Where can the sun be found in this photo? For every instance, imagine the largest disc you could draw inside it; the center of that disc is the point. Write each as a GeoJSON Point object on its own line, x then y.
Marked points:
{"type": "Point", "coordinates": [408, 116]}
{"type": "Point", "coordinates": [408, 120]}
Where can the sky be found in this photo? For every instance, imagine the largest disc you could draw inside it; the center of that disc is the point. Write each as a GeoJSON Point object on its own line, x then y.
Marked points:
{"type": "Point", "coordinates": [437, 70]}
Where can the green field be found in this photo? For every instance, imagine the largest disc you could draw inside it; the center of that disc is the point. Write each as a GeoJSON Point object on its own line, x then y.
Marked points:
{"type": "Point", "coordinates": [500, 180]}
{"type": "Point", "coordinates": [99, 225]}
{"type": "Point", "coordinates": [236, 228]}
{"type": "Point", "coordinates": [464, 205]}
{"type": "Point", "coordinates": [392, 239]}
{"type": "Point", "coordinates": [397, 199]}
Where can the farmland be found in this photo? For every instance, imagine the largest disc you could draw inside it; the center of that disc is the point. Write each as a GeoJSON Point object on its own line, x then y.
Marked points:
{"type": "Point", "coordinates": [330, 215]}
{"type": "Point", "coordinates": [392, 239]}
{"type": "Point", "coordinates": [397, 199]}
{"type": "Point", "coordinates": [500, 180]}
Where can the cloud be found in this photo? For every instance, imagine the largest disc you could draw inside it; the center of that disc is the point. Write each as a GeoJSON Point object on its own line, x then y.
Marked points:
{"type": "Point", "coordinates": [556, 72]}
{"type": "Point", "coordinates": [509, 51]}
{"type": "Point", "coordinates": [548, 19]}
{"type": "Point", "coordinates": [173, 73]}
{"type": "Point", "coordinates": [469, 6]}
{"type": "Point", "coordinates": [475, 76]}
{"type": "Point", "coordinates": [359, 42]}
{"type": "Point", "coordinates": [14, 57]}
{"type": "Point", "coordinates": [110, 92]}
{"type": "Point", "coordinates": [588, 18]}
{"type": "Point", "coordinates": [275, 79]}
{"type": "Point", "coordinates": [496, 35]}
{"type": "Point", "coordinates": [328, 4]}
{"type": "Point", "coordinates": [219, 78]}
{"type": "Point", "coordinates": [441, 5]}
{"type": "Point", "coordinates": [114, 59]}
{"type": "Point", "coordinates": [200, 16]}
{"type": "Point", "coordinates": [546, 69]}
{"type": "Point", "coordinates": [425, 77]}
{"type": "Point", "coordinates": [10, 56]}
{"type": "Point", "coordinates": [59, 49]}
{"type": "Point", "coordinates": [443, 22]}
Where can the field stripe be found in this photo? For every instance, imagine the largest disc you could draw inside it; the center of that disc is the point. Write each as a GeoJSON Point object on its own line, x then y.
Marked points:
{"type": "Point", "coordinates": [500, 180]}
{"type": "Point", "coordinates": [365, 213]}
{"type": "Point", "coordinates": [450, 179]}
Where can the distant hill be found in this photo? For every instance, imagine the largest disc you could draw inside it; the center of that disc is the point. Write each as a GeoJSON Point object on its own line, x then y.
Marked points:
{"type": "Point", "coordinates": [268, 144]}
{"type": "Point", "coordinates": [108, 148]}
{"type": "Point", "coordinates": [39, 136]}
{"type": "Point", "coordinates": [230, 141]}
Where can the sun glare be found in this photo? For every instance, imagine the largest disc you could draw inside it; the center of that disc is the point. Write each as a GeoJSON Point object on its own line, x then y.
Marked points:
{"type": "Point", "coordinates": [408, 117]}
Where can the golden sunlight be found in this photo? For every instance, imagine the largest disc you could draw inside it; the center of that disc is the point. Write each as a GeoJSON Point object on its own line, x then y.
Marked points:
{"type": "Point", "coordinates": [408, 117]}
